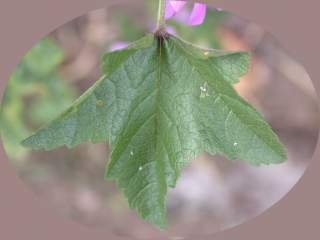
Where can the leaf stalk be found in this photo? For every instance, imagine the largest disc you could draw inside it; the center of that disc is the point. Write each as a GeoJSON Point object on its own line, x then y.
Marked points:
{"type": "Point", "coordinates": [161, 22]}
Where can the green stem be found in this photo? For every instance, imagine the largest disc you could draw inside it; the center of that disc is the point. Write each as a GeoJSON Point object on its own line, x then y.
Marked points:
{"type": "Point", "coordinates": [161, 22]}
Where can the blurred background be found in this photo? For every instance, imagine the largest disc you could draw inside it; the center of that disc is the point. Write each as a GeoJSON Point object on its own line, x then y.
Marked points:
{"type": "Point", "coordinates": [213, 193]}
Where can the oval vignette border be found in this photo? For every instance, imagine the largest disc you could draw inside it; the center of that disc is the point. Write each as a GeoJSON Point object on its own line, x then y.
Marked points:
{"type": "Point", "coordinates": [294, 25]}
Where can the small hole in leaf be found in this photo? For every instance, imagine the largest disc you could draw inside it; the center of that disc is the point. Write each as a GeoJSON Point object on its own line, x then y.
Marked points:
{"type": "Point", "coordinates": [204, 90]}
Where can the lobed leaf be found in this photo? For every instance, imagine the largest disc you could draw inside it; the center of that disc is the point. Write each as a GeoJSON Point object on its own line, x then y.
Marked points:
{"type": "Point", "coordinates": [161, 103]}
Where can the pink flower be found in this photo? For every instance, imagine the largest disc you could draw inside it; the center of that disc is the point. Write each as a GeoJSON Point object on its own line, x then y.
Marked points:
{"type": "Point", "coordinates": [173, 7]}
{"type": "Point", "coordinates": [197, 15]}
{"type": "Point", "coordinates": [118, 45]}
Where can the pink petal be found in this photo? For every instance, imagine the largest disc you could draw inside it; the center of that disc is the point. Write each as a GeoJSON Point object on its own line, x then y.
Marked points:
{"type": "Point", "coordinates": [183, 16]}
{"type": "Point", "coordinates": [177, 5]}
{"type": "Point", "coordinates": [118, 46]}
{"type": "Point", "coordinates": [198, 14]}
{"type": "Point", "coordinates": [171, 30]}
{"type": "Point", "coordinates": [169, 10]}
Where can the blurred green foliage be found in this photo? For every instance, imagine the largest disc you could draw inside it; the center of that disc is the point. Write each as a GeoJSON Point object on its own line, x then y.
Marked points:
{"type": "Point", "coordinates": [204, 35]}
{"type": "Point", "coordinates": [35, 94]}
{"type": "Point", "coordinates": [129, 31]}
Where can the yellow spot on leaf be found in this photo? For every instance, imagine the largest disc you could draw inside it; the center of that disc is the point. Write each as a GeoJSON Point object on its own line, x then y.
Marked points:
{"type": "Point", "coordinates": [99, 103]}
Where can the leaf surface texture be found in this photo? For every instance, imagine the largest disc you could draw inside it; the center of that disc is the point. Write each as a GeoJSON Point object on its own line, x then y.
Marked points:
{"type": "Point", "coordinates": [160, 103]}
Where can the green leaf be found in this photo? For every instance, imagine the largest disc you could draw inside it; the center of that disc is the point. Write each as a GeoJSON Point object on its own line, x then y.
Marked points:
{"type": "Point", "coordinates": [161, 103]}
